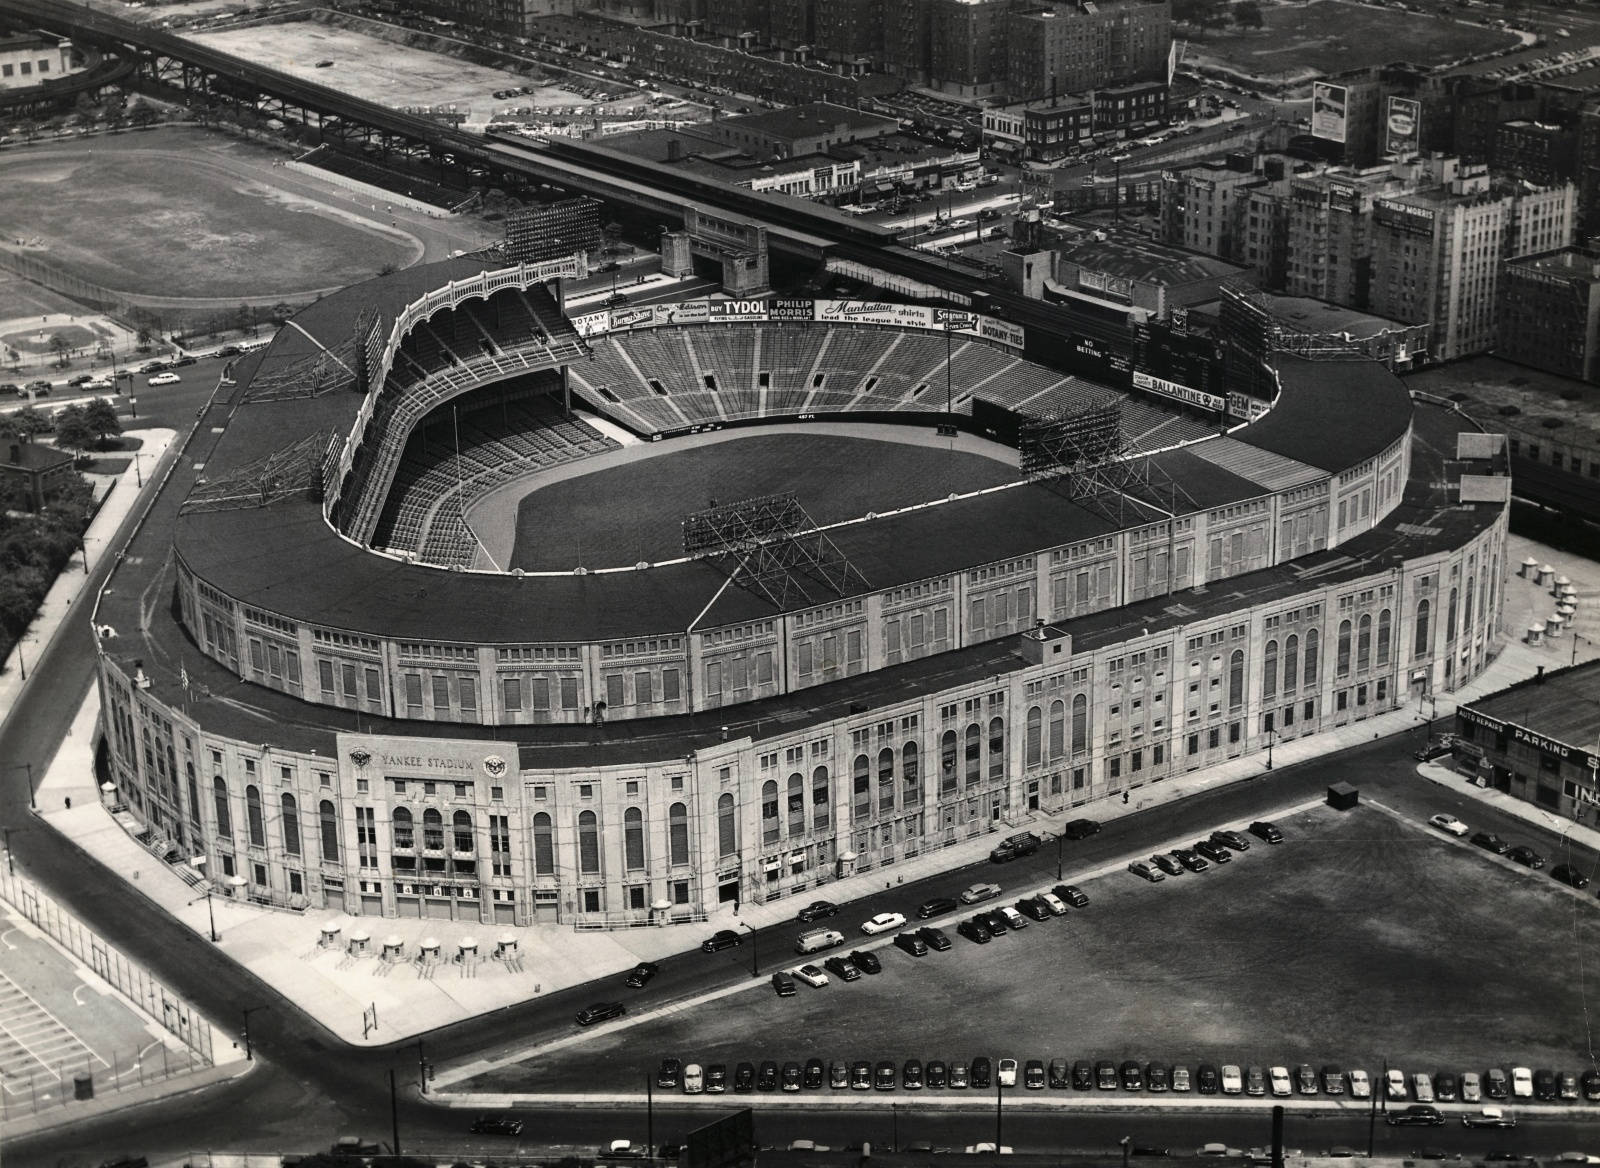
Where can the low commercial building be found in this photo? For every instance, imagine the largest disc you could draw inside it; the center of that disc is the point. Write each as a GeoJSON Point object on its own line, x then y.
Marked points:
{"type": "Point", "coordinates": [30, 474]}
{"type": "Point", "coordinates": [801, 129]}
{"type": "Point", "coordinates": [1045, 130]}
{"type": "Point", "coordinates": [1536, 740]}
{"type": "Point", "coordinates": [32, 58]}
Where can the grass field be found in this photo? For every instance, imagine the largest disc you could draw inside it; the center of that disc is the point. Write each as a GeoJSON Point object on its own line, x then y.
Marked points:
{"type": "Point", "coordinates": [150, 222]}
{"type": "Point", "coordinates": [1330, 36]}
{"type": "Point", "coordinates": [1359, 938]}
{"type": "Point", "coordinates": [619, 516]}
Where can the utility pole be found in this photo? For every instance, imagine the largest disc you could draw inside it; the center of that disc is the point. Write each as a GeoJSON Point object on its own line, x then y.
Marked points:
{"type": "Point", "coordinates": [422, 1068]}
{"type": "Point", "coordinates": [394, 1114]}
{"type": "Point", "coordinates": [649, 1114]}
{"type": "Point", "coordinates": [998, 1137]}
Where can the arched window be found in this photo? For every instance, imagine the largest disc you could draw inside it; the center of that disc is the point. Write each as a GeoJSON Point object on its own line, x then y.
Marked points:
{"type": "Point", "coordinates": [1313, 642]}
{"type": "Point", "coordinates": [1450, 618]}
{"type": "Point", "coordinates": [1269, 672]}
{"type": "Point", "coordinates": [997, 747]}
{"type": "Point", "coordinates": [677, 834]}
{"type": "Point", "coordinates": [224, 820]}
{"type": "Point", "coordinates": [861, 788]}
{"type": "Point", "coordinates": [910, 776]}
{"type": "Point", "coordinates": [1385, 634]}
{"type": "Point", "coordinates": [1466, 609]}
{"type": "Point", "coordinates": [290, 815]}
{"type": "Point", "coordinates": [588, 843]}
{"type": "Point", "coordinates": [1364, 642]}
{"type": "Point", "coordinates": [253, 817]}
{"type": "Point", "coordinates": [1080, 724]}
{"type": "Point", "coordinates": [432, 830]}
{"type": "Point", "coordinates": [405, 830]}
{"type": "Point", "coordinates": [330, 830]}
{"type": "Point", "coordinates": [821, 799]}
{"type": "Point", "coordinates": [1032, 738]}
{"type": "Point", "coordinates": [769, 811]}
{"type": "Point", "coordinates": [461, 828]}
{"type": "Point", "coordinates": [796, 799]}
{"type": "Point", "coordinates": [1423, 641]}
{"type": "Point", "coordinates": [544, 845]}
{"type": "Point", "coordinates": [633, 840]}
{"type": "Point", "coordinates": [1342, 659]}
{"type": "Point", "coordinates": [1058, 729]}
{"type": "Point", "coordinates": [727, 828]}
{"type": "Point", "coordinates": [1291, 663]}
{"type": "Point", "coordinates": [947, 763]}
{"type": "Point", "coordinates": [886, 779]}
{"type": "Point", "coordinates": [974, 755]}
{"type": "Point", "coordinates": [1236, 679]}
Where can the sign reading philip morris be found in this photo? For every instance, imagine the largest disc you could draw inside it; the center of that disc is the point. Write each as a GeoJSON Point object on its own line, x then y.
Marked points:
{"type": "Point", "coordinates": [377, 756]}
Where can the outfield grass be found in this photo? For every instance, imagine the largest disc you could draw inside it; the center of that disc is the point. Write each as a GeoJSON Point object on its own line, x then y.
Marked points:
{"type": "Point", "coordinates": [619, 516]}
{"type": "Point", "coordinates": [148, 222]}
{"type": "Point", "coordinates": [1360, 938]}
{"type": "Point", "coordinates": [1331, 36]}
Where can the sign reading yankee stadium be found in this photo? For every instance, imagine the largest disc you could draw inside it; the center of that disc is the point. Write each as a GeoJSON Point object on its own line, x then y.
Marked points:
{"type": "Point", "coordinates": [374, 755]}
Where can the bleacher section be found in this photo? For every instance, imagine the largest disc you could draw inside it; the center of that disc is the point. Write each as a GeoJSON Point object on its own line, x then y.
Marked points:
{"type": "Point", "coordinates": [465, 448]}
{"type": "Point", "coordinates": [655, 380]}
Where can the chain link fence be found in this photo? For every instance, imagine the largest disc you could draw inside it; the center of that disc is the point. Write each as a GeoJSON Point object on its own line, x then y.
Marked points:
{"type": "Point", "coordinates": [79, 1077]}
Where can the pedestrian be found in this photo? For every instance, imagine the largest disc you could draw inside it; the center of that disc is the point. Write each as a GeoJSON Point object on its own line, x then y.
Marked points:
{"type": "Point", "coordinates": [1124, 798]}
{"type": "Point", "coordinates": [69, 802]}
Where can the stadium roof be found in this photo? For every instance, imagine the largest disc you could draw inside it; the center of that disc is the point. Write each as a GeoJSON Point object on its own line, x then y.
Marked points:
{"type": "Point", "coordinates": [1313, 421]}
{"type": "Point", "coordinates": [1429, 519]}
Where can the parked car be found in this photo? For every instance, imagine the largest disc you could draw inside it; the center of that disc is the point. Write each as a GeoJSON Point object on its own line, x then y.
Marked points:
{"type": "Point", "coordinates": [1206, 1079]}
{"type": "Point", "coordinates": [1034, 909]}
{"type": "Point", "coordinates": [1544, 1085]}
{"type": "Point", "coordinates": [694, 1079]}
{"type": "Point", "coordinates": [1495, 1084]}
{"type": "Point", "coordinates": [744, 1078]}
{"type": "Point", "coordinates": [1569, 875]}
{"type": "Point", "coordinates": [1590, 1085]}
{"type": "Point", "coordinates": [1006, 1072]}
{"type": "Point", "coordinates": [1231, 839]}
{"type": "Point", "coordinates": [1072, 894]}
{"type": "Point", "coordinates": [1232, 1080]}
{"type": "Point", "coordinates": [1521, 1083]}
{"type": "Point", "coordinates": [721, 939]}
{"type": "Point", "coordinates": [1281, 1084]}
{"type": "Point", "coordinates": [937, 906]}
{"type": "Point", "coordinates": [1013, 847]}
{"type": "Point", "coordinates": [1214, 852]}
{"type": "Point", "coordinates": [1083, 1075]}
{"type": "Point", "coordinates": [1489, 1117]}
{"type": "Point", "coordinates": [1014, 920]}
{"type": "Point", "coordinates": [1526, 856]}
{"type": "Point", "coordinates": [995, 922]}
{"type": "Point", "coordinates": [1105, 1075]}
{"type": "Point", "coordinates": [911, 1075]}
{"type": "Point", "coordinates": [886, 922]}
{"type": "Point", "coordinates": [1158, 1078]}
{"type": "Point", "coordinates": [716, 1078]}
{"type": "Point", "coordinates": [1449, 824]}
{"type": "Point", "coordinates": [1053, 903]}
{"type": "Point", "coordinates": [1145, 871]}
{"type": "Point", "coordinates": [1266, 831]}
{"type": "Point", "coordinates": [841, 969]}
{"type": "Point", "coordinates": [783, 984]}
{"type": "Point", "coordinates": [982, 1073]}
{"type": "Point", "coordinates": [1422, 1087]}
{"type": "Point", "coordinates": [839, 1075]}
{"type": "Point", "coordinates": [1471, 1087]}
{"type": "Point", "coordinates": [1416, 1115]}
{"type": "Point", "coordinates": [767, 1076]}
{"type": "Point", "coordinates": [1438, 748]}
{"type": "Point", "coordinates": [1332, 1081]}
{"type": "Point", "coordinates": [960, 1076]}
{"type": "Point", "coordinates": [1255, 1081]}
{"type": "Point", "coordinates": [979, 893]}
{"type": "Point", "coordinates": [669, 1073]}
{"type": "Point", "coordinates": [1182, 1081]}
{"type": "Point", "coordinates": [866, 961]}
{"type": "Point", "coordinates": [817, 910]}
{"type": "Point", "coordinates": [1077, 829]}
{"type": "Point", "coordinates": [812, 976]}
{"type": "Point", "coordinates": [936, 1074]}
{"type": "Point", "coordinates": [790, 1077]}
{"type": "Point", "coordinates": [1305, 1079]}
{"type": "Point", "coordinates": [1169, 865]}
{"type": "Point", "coordinates": [1490, 842]}
{"type": "Point", "coordinates": [640, 975]}
{"type": "Point", "coordinates": [1446, 1087]}
{"type": "Point", "coordinates": [975, 929]}
{"type": "Point", "coordinates": [600, 1012]}
{"type": "Point", "coordinates": [912, 943]}
{"type": "Point", "coordinates": [1360, 1084]}
{"type": "Point", "coordinates": [1060, 1074]}
{"type": "Point", "coordinates": [936, 939]}
{"type": "Point", "coordinates": [1191, 860]}
{"type": "Point", "coordinates": [1394, 1084]}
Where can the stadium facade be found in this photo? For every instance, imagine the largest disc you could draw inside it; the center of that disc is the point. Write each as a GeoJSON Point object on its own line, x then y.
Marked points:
{"type": "Point", "coordinates": [309, 676]}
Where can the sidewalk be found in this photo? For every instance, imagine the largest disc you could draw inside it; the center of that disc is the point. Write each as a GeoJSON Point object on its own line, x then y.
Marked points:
{"type": "Point", "coordinates": [407, 996]}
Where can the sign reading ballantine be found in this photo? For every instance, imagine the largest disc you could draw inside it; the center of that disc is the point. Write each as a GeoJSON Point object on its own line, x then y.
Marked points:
{"type": "Point", "coordinates": [376, 755]}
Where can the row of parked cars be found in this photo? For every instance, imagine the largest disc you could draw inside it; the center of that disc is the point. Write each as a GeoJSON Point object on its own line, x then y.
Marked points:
{"type": "Point", "coordinates": [1218, 848]}
{"type": "Point", "coordinates": [1521, 853]}
{"type": "Point", "coordinates": [1470, 1087]}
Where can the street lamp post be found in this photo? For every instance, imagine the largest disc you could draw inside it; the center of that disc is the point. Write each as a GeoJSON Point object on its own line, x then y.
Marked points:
{"type": "Point", "coordinates": [1272, 736]}
{"type": "Point", "coordinates": [249, 1051]}
{"type": "Point", "coordinates": [755, 956]}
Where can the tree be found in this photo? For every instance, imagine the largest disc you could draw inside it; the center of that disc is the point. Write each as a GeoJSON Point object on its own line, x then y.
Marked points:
{"type": "Point", "coordinates": [15, 359]}
{"type": "Point", "coordinates": [72, 430]}
{"type": "Point", "coordinates": [241, 317]}
{"type": "Point", "coordinates": [281, 312]}
{"type": "Point", "coordinates": [1201, 13]}
{"type": "Point", "coordinates": [144, 338]}
{"type": "Point", "coordinates": [61, 347]}
{"type": "Point", "coordinates": [30, 421]}
{"type": "Point", "coordinates": [1247, 14]}
{"type": "Point", "coordinates": [101, 418]}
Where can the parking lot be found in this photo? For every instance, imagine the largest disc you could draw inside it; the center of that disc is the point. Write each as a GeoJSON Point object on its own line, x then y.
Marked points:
{"type": "Point", "coordinates": [1361, 938]}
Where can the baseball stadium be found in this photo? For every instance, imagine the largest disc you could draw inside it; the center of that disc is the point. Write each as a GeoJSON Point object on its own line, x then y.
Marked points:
{"type": "Point", "coordinates": [462, 605]}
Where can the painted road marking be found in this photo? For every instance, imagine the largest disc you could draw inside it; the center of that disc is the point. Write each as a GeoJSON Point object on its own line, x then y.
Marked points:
{"type": "Point", "coordinates": [33, 1041]}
